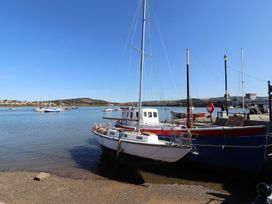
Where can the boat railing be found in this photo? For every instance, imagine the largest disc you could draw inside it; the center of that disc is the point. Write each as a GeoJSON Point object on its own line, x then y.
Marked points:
{"type": "Point", "coordinates": [102, 125]}
{"type": "Point", "coordinates": [223, 114]}
{"type": "Point", "coordinates": [184, 139]}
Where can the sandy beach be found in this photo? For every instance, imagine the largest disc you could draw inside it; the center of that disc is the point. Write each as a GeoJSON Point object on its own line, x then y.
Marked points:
{"type": "Point", "coordinates": [19, 187]}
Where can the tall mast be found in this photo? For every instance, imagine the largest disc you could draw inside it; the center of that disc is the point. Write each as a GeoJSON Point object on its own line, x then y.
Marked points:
{"type": "Point", "coordinates": [226, 86]}
{"type": "Point", "coordinates": [189, 107]}
{"type": "Point", "coordinates": [141, 65]}
{"type": "Point", "coordinates": [242, 66]}
{"type": "Point", "coordinates": [270, 101]}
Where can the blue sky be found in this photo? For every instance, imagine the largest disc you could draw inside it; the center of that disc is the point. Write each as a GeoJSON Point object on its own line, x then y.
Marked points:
{"type": "Point", "coordinates": [51, 49]}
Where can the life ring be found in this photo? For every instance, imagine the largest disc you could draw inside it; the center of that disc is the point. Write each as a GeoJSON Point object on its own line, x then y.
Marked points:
{"type": "Point", "coordinates": [210, 108]}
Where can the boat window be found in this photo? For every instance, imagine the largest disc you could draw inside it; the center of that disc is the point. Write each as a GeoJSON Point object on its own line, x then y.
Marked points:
{"type": "Point", "coordinates": [145, 114]}
{"type": "Point", "coordinates": [139, 138]}
{"type": "Point", "coordinates": [127, 114]}
{"type": "Point", "coordinates": [131, 114]}
{"type": "Point", "coordinates": [150, 114]}
{"type": "Point", "coordinates": [155, 114]}
{"type": "Point", "coordinates": [137, 114]}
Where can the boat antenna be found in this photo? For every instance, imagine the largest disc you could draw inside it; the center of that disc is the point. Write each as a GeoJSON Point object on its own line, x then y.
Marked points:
{"type": "Point", "coordinates": [226, 86]}
{"type": "Point", "coordinates": [141, 65]}
{"type": "Point", "coordinates": [189, 105]}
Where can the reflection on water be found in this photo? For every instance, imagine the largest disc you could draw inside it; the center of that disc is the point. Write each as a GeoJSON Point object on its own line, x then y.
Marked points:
{"type": "Point", "coordinates": [61, 143]}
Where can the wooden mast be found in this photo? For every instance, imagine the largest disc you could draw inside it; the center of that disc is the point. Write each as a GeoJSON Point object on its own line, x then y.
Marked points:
{"type": "Point", "coordinates": [226, 86]}
{"type": "Point", "coordinates": [270, 98]}
{"type": "Point", "coordinates": [243, 81]}
{"type": "Point", "coordinates": [189, 105]}
{"type": "Point", "coordinates": [141, 65]}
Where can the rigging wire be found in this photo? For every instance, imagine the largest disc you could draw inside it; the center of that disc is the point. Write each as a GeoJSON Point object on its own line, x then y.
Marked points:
{"type": "Point", "coordinates": [170, 67]}
{"type": "Point", "coordinates": [248, 75]}
{"type": "Point", "coordinates": [194, 56]}
{"type": "Point", "coordinates": [132, 27]}
{"type": "Point", "coordinates": [131, 38]}
{"type": "Point", "coordinates": [149, 39]}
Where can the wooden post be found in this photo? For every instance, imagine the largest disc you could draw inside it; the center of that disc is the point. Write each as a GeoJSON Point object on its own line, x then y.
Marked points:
{"type": "Point", "coordinates": [270, 96]}
{"type": "Point", "coordinates": [226, 86]}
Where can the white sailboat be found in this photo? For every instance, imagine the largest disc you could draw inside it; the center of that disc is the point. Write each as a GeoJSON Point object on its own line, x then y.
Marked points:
{"type": "Point", "coordinates": [137, 143]}
{"type": "Point", "coordinates": [51, 109]}
{"type": "Point", "coordinates": [39, 107]}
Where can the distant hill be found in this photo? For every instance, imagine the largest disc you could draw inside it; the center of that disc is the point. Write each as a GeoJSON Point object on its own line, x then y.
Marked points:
{"type": "Point", "coordinates": [202, 102]}
{"type": "Point", "coordinates": [65, 102]}
{"type": "Point", "coordinates": [197, 102]}
{"type": "Point", "coordinates": [82, 102]}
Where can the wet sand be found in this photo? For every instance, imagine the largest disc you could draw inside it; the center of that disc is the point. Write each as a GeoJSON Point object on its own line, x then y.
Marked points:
{"type": "Point", "coordinates": [19, 187]}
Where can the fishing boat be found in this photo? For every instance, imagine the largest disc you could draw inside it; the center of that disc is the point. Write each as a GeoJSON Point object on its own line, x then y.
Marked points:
{"type": "Point", "coordinates": [231, 142]}
{"type": "Point", "coordinates": [140, 143]}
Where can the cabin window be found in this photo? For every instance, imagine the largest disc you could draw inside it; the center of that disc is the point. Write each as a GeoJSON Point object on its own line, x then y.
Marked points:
{"type": "Point", "coordinates": [131, 114]}
{"type": "Point", "coordinates": [150, 114]}
{"type": "Point", "coordinates": [137, 114]}
{"type": "Point", "coordinates": [127, 114]}
{"type": "Point", "coordinates": [145, 114]}
{"type": "Point", "coordinates": [155, 114]}
{"type": "Point", "coordinates": [112, 133]}
{"type": "Point", "coordinates": [139, 138]}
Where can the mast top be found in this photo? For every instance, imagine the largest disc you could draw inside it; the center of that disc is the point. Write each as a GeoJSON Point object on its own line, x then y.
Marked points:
{"type": "Point", "coordinates": [187, 56]}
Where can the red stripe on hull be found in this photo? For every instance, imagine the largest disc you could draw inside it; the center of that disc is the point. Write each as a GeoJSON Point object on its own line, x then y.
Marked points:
{"type": "Point", "coordinates": [208, 132]}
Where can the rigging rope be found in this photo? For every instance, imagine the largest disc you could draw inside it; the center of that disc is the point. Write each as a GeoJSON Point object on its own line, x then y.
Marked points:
{"type": "Point", "coordinates": [170, 67]}
{"type": "Point", "coordinates": [131, 37]}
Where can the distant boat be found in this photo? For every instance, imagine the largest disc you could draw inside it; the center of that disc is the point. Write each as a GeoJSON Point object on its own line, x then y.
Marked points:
{"type": "Point", "coordinates": [39, 108]}
{"type": "Point", "coordinates": [51, 110]}
{"type": "Point", "coordinates": [231, 107]}
{"type": "Point", "coordinates": [108, 110]}
{"type": "Point", "coordinates": [74, 105]}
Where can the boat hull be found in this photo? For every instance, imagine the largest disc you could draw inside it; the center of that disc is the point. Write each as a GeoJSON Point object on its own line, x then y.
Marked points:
{"type": "Point", "coordinates": [243, 148]}
{"type": "Point", "coordinates": [148, 151]}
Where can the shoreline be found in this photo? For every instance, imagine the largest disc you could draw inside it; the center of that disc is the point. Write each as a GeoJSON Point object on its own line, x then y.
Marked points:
{"type": "Point", "coordinates": [19, 187]}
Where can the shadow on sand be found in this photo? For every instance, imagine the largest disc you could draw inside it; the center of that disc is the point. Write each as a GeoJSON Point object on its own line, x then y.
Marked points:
{"type": "Point", "coordinates": [102, 163]}
{"type": "Point", "coordinates": [239, 185]}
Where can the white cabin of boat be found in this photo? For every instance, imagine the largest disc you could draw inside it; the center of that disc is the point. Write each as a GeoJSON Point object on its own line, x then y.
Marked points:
{"type": "Point", "coordinates": [150, 116]}
{"type": "Point", "coordinates": [134, 136]}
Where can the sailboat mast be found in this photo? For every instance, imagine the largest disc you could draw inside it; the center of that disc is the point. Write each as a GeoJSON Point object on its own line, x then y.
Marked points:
{"type": "Point", "coordinates": [242, 66]}
{"type": "Point", "coordinates": [141, 65]}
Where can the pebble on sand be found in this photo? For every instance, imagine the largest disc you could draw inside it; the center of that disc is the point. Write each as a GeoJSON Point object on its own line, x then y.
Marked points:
{"type": "Point", "coordinates": [41, 176]}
